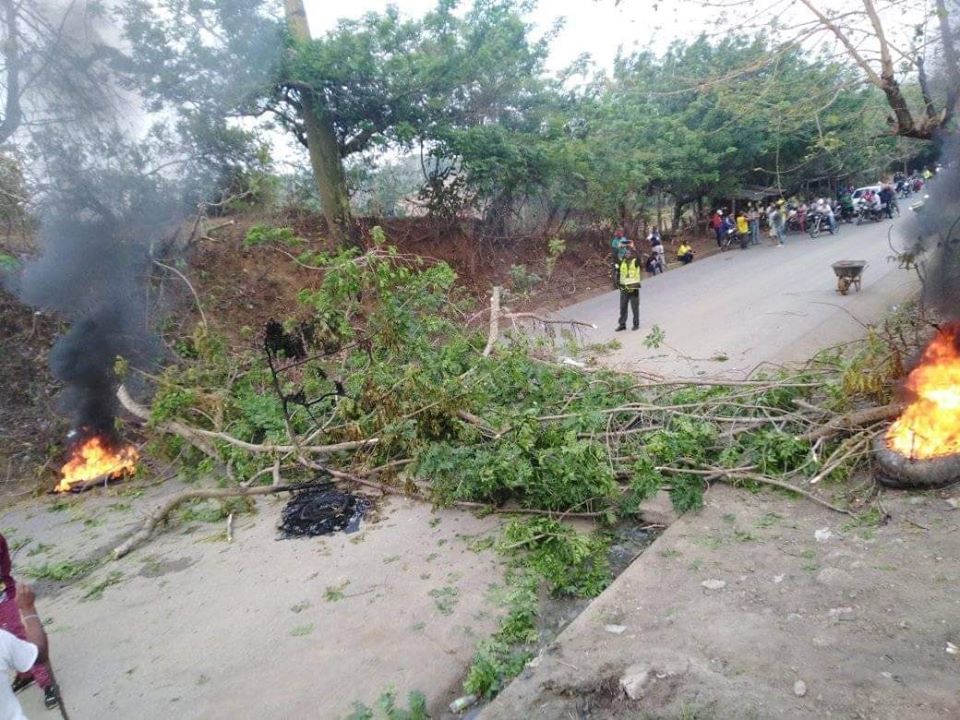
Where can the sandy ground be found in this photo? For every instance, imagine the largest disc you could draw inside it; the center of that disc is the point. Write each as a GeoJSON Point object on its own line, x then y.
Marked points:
{"type": "Point", "coordinates": [197, 628]}
{"type": "Point", "coordinates": [726, 314]}
{"type": "Point", "coordinates": [862, 617]}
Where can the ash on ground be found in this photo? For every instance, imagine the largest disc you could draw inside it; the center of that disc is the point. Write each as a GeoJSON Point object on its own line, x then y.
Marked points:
{"type": "Point", "coordinates": [320, 510]}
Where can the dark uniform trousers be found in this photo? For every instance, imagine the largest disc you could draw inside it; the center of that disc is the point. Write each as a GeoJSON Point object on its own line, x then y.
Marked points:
{"type": "Point", "coordinates": [629, 299]}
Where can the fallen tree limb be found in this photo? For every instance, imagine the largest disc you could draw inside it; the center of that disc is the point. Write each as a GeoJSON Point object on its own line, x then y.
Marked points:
{"type": "Point", "coordinates": [194, 435]}
{"type": "Point", "coordinates": [853, 420]}
{"type": "Point", "coordinates": [196, 297]}
{"type": "Point", "coordinates": [557, 514]}
{"type": "Point", "coordinates": [546, 321]}
{"type": "Point", "coordinates": [161, 512]}
{"type": "Point", "coordinates": [734, 474]}
{"type": "Point", "coordinates": [494, 333]}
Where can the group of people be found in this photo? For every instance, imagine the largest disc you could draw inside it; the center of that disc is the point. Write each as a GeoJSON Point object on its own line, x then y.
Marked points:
{"type": "Point", "coordinates": [745, 224]}
{"type": "Point", "coordinates": [781, 215]}
{"type": "Point", "coordinates": [23, 642]}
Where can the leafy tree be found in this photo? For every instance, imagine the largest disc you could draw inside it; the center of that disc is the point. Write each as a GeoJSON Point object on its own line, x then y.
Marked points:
{"type": "Point", "coordinates": [366, 84]}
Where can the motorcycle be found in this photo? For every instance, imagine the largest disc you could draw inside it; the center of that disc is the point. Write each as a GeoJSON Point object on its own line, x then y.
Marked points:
{"type": "Point", "coordinates": [734, 238]}
{"type": "Point", "coordinates": [817, 222]}
{"type": "Point", "coordinates": [655, 261]}
{"type": "Point", "coordinates": [870, 214]}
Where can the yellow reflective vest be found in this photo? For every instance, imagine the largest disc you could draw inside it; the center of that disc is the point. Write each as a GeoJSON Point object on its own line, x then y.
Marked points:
{"type": "Point", "coordinates": [629, 274]}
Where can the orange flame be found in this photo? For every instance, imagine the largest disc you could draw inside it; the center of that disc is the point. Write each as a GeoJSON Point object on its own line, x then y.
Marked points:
{"type": "Point", "coordinates": [93, 459]}
{"type": "Point", "coordinates": [930, 426]}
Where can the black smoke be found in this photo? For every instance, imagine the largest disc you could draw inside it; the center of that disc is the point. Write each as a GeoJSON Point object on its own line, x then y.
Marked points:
{"type": "Point", "coordinates": [937, 227]}
{"type": "Point", "coordinates": [116, 174]}
{"type": "Point", "coordinates": [91, 273]}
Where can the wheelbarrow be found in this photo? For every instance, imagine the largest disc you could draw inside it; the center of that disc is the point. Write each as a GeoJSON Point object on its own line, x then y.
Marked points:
{"type": "Point", "coordinates": [848, 274]}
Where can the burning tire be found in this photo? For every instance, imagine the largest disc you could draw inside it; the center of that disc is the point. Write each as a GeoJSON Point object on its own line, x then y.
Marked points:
{"type": "Point", "coordinates": [900, 471]}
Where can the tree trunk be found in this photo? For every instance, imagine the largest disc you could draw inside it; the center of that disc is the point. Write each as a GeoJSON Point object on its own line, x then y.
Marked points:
{"type": "Point", "coordinates": [677, 214]}
{"type": "Point", "coordinates": [322, 145]}
{"type": "Point", "coordinates": [11, 56]}
{"type": "Point", "coordinates": [951, 62]}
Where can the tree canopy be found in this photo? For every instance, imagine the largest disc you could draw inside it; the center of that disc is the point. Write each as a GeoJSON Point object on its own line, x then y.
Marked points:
{"type": "Point", "coordinates": [467, 90]}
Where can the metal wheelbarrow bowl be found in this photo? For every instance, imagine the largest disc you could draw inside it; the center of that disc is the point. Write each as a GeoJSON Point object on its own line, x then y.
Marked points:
{"type": "Point", "coordinates": [849, 273]}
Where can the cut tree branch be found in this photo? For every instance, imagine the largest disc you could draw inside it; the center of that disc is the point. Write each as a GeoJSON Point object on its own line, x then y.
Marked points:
{"type": "Point", "coordinates": [193, 434]}
{"type": "Point", "coordinates": [853, 420]}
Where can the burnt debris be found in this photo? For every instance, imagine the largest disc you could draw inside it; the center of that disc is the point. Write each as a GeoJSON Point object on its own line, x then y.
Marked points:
{"type": "Point", "coordinates": [290, 361]}
{"type": "Point", "coordinates": [320, 510]}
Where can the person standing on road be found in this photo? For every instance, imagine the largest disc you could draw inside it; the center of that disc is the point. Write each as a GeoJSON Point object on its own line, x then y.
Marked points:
{"type": "Point", "coordinates": [778, 222]}
{"type": "Point", "coordinates": [716, 222]}
{"type": "Point", "coordinates": [629, 280]}
{"type": "Point", "coordinates": [886, 200]}
{"type": "Point", "coordinates": [657, 261]}
{"type": "Point", "coordinates": [753, 219]}
{"type": "Point", "coordinates": [743, 226]}
{"type": "Point", "coordinates": [618, 247]}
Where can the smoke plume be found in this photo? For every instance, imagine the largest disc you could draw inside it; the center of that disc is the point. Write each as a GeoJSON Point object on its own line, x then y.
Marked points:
{"type": "Point", "coordinates": [937, 225]}
{"type": "Point", "coordinates": [112, 195]}
{"type": "Point", "coordinates": [92, 272]}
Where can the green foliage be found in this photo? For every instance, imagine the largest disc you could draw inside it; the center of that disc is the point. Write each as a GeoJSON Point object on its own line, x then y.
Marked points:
{"type": "Point", "coordinates": [654, 339]}
{"type": "Point", "coordinates": [774, 452]}
{"type": "Point", "coordinates": [8, 263]}
{"type": "Point", "coordinates": [388, 710]}
{"type": "Point", "coordinates": [503, 655]}
{"type": "Point", "coordinates": [570, 562]}
{"type": "Point", "coordinates": [555, 248]}
{"type": "Point", "coordinates": [262, 235]}
{"type": "Point", "coordinates": [535, 466]}
{"type": "Point", "coordinates": [522, 280]}
{"type": "Point", "coordinates": [214, 511]}
{"type": "Point", "coordinates": [64, 571]}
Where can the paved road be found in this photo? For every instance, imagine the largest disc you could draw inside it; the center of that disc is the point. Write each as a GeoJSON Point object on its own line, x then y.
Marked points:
{"type": "Point", "coordinates": [726, 314]}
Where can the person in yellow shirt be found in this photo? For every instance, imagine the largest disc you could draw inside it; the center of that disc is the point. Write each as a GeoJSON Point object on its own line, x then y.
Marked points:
{"type": "Point", "coordinates": [685, 253]}
{"type": "Point", "coordinates": [743, 227]}
{"type": "Point", "coordinates": [628, 275]}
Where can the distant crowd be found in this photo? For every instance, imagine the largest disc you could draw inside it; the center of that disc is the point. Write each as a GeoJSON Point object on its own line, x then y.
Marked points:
{"type": "Point", "coordinates": [744, 227]}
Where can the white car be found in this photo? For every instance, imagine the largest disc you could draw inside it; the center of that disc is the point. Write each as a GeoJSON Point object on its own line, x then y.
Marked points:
{"type": "Point", "coordinates": [859, 192]}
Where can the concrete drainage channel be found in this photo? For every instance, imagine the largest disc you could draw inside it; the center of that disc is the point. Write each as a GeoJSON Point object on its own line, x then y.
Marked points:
{"type": "Point", "coordinates": [631, 540]}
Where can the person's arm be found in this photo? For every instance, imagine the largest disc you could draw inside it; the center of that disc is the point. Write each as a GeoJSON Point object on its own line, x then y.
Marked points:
{"type": "Point", "coordinates": [31, 621]}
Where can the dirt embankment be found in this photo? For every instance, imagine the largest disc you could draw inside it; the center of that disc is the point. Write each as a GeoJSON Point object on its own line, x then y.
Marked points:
{"type": "Point", "coordinates": [243, 287]}
{"type": "Point", "coordinates": [29, 423]}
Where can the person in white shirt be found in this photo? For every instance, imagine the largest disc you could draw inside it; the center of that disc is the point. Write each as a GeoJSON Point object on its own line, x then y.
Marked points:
{"type": "Point", "coordinates": [18, 656]}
